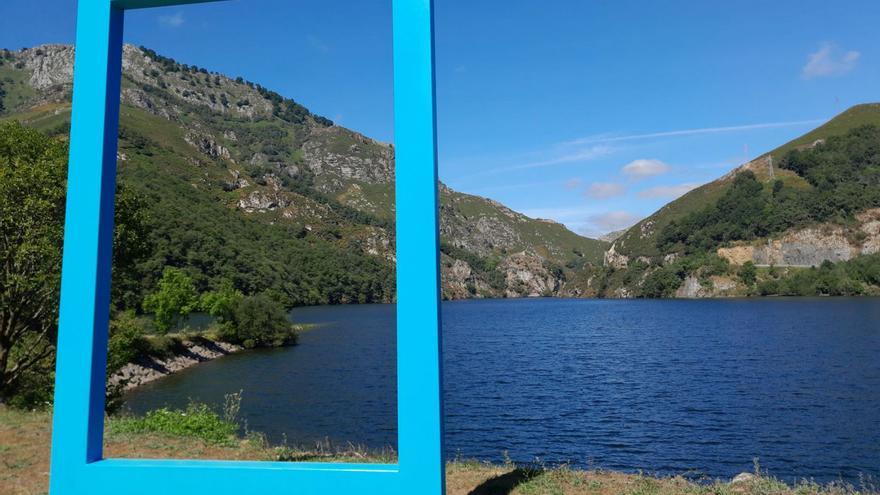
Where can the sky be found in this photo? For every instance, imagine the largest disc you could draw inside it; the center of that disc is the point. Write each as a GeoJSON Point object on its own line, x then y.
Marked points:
{"type": "Point", "coordinates": [594, 113]}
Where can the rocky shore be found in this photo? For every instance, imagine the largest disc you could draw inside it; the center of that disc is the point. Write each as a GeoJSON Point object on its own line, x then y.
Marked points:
{"type": "Point", "coordinates": [147, 369]}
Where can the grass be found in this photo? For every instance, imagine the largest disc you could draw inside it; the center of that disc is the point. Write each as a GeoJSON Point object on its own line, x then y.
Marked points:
{"type": "Point", "coordinates": [25, 439]}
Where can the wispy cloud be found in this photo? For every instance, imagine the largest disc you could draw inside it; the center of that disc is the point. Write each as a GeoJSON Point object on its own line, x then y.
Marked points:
{"type": "Point", "coordinates": [668, 192]}
{"type": "Point", "coordinates": [830, 61]}
{"type": "Point", "coordinates": [608, 138]}
{"type": "Point", "coordinates": [581, 155]}
{"type": "Point", "coordinates": [172, 20]}
{"type": "Point", "coordinates": [644, 167]}
{"type": "Point", "coordinates": [604, 190]}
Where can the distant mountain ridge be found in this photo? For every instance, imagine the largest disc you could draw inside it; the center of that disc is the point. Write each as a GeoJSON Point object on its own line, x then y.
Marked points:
{"type": "Point", "coordinates": [258, 168]}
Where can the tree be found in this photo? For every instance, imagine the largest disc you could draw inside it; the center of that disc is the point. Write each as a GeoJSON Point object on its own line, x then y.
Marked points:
{"type": "Point", "coordinates": [175, 297]}
{"type": "Point", "coordinates": [748, 273]}
{"type": "Point", "coordinates": [32, 196]}
{"type": "Point", "coordinates": [258, 321]}
{"type": "Point", "coordinates": [221, 303]}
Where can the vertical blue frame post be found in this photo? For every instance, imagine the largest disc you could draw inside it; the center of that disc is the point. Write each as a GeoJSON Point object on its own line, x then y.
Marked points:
{"type": "Point", "coordinates": [77, 464]}
{"type": "Point", "coordinates": [419, 373]}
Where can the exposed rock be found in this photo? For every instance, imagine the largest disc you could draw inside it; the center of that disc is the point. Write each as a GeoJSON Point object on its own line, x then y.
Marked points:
{"type": "Point", "coordinates": [258, 201]}
{"type": "Point", "coordinates": [615, 259]}
{"type": "Point", "coordinates": [207, 145]}
{"type": "Point", "coordinates": [691, 288]}
{"type": "Point", "coordinates": [526, 275]}
{"type": "Point", "coordinates": [813, 245]}
{"type": "Point", "coordinates": [148, 369]}
{"type": "Point", "coordinates": [743, 478]}
{"type": "Point", "coordinates": [50, 65]}
{"type": "Point", "coordinates": [366, 160]}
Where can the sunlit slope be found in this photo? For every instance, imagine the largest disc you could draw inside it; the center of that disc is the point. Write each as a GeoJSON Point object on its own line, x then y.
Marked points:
{"type": "Point", "coordinates": [641, 239]}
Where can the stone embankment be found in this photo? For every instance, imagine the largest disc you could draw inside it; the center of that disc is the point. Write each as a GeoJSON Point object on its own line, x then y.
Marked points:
{"type": "Point", "coordinates": [148, 369]}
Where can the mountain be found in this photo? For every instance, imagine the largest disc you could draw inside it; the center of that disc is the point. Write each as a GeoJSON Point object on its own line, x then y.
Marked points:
{"type": "Point", "coordinates": [812, 202]}
{"type": "Point", "coordinates": [243, 184]}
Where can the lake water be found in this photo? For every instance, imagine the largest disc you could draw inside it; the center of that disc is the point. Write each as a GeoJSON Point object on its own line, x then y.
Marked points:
{"type": "Point", "coordinates": [699, 387]}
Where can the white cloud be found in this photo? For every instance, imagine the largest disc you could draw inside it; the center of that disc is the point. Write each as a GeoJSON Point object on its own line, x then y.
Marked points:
{"type": "Point", "coordinates": [668, 192]}
{"type": "Point", "coordinates": [604, 190]}
{"type": "Point", "coordinates": [641, 168]}
{"type": "Point", "coordinates": [613, 220]}
{"type": "Point", "coordinates": [829, 61]}
{"type": "Point", "coordinates": [172, 21]}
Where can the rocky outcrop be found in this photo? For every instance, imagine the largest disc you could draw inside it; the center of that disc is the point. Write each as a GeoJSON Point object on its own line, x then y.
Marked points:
{"type": "Point", "coordinates": [527, 275]}
{"type": "Point", "coordinates": [337, 155]}
{"type": "Point", "coordinates": [715, 286]}
{"type": "Point", "coordinates": [813, 245]}
{"type": "Point", "coordinates": [207, 145]}
{"type": "Point", "coordinates": [50, 65]}
{"type": "Point", "coordinates": [148, 369]}
{"type": "Point", "coordinates": [615, 259]}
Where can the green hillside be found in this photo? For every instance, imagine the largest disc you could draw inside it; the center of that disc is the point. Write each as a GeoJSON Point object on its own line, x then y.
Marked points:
{"type": "Point", "coordinates": [246, 185]}
{"type": "Point", "coordinates": [642, 238]}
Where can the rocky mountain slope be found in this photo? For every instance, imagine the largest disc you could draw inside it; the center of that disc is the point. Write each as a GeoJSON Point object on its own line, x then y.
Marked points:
{"type": "Point", "coordinates": [233, 169]}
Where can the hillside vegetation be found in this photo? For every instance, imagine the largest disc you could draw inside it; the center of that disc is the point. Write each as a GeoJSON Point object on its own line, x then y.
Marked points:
{"type": "Point", "coordinates": [808, 226]}
{"type": "Point", "coordinates": [243, 184]}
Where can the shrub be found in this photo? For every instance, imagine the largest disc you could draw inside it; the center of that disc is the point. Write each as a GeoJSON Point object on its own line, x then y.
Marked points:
{"type": "Point", "coordinates": [126, 341]}
{"type": "Point", "coordinates": [258, 321]}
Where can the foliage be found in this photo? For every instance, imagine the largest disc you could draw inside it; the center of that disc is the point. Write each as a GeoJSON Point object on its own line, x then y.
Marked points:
{"type": "Point", "coordinates": [484, 267]}
{"type": "Point", "coordinates": [666, 280]}
{"type": "Point", "coordinates": [196, 421]}
{"type": "Point", "coordinates": [174, 298]}
{"type": "Point", "coordinates": [31, 217]}
{"type": "Point", "coordinates": [748, 273]}
{"type": "Point", "coordinates": [126, 341]}
{"type": "Point", "coordinates": [32, 197]}
{"type": "Point", "coordinates": [849, 278]}
{"type": "Point", "coordinates": [844, 172]}
{"type": "Point", "coordinates": [258, 321]}
{"type": "Point", "coordinates": [222, 302]}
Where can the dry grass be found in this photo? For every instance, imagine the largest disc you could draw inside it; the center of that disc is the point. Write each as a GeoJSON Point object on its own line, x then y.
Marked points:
{"type": "Point", "coordinates": [24, 466]}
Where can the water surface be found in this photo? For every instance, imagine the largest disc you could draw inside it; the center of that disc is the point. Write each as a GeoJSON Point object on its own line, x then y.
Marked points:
{"type": "Point", "coordinates": [665, 386]}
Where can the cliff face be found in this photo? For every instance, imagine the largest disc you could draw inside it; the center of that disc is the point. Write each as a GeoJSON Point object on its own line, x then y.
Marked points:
{"type": "Point", "coordinates": [275, 162]}
{"type": "Point", "coordinates": [812, 246]}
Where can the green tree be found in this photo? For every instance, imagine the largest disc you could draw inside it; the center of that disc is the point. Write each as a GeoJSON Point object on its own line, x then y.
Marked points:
{"type": "Point", "coordinates": [32, 196]}
{"type": "Point", "coordinates": [222, 302]}
{"type": "Point", "coordinates": [748, 273]}
{"type": "Point", "coordinates": [259, 321]}
{"type": "Point", "coordinates": [174, 298]}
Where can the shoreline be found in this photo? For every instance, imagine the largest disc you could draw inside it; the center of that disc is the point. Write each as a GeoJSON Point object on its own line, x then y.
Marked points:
{"type": "Point", "coordinates": [146, 369]}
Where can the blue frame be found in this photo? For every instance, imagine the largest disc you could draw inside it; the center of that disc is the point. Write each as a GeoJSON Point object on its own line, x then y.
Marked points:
{"type": "Point", "coordinates": [77, 464]}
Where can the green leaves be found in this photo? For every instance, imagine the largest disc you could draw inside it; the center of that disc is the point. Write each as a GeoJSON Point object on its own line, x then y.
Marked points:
{"type": "Point", "coordinates": [174, 298]}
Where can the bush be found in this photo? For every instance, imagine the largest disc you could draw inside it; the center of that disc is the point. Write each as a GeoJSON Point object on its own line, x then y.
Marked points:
{"type": "Point", "coordinates": [258, 321]}
{"type": "Point", "coordinates": [126, 341]}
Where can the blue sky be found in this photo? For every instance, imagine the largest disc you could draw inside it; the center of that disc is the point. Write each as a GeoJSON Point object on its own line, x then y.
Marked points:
{"type": "Point", "coordinates": [593, 113]}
